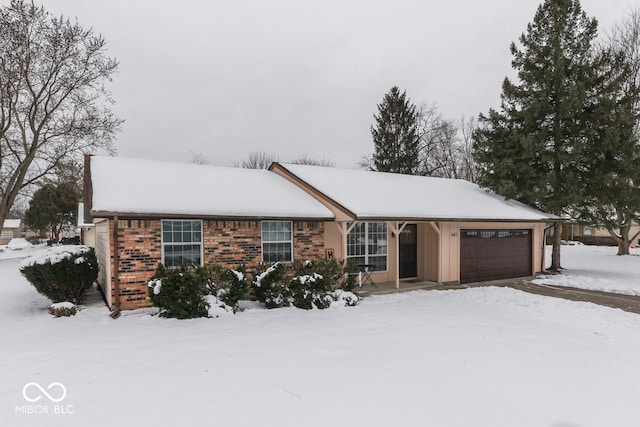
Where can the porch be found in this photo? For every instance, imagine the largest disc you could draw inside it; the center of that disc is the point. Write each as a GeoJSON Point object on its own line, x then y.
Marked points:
{"type": "Point", "coordinates": [404, 286]}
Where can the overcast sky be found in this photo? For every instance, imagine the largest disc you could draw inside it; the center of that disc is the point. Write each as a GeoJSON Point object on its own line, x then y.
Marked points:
{"type": "Point", "coordinates": [227, 78]}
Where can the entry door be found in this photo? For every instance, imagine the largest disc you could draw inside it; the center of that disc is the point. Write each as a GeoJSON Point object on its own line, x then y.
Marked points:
{"type": "Point", "coordinates": [409, 251]}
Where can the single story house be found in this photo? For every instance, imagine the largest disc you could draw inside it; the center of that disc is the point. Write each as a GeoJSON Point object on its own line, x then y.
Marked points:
{"type": "Point", "coordinates": [10, 230]}
{"type": "Point", "coordinates": [396, 226]}
{"type": "Point", "coordinates": [590, 235]}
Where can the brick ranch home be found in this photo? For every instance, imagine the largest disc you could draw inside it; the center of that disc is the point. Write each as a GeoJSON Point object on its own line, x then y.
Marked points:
{"type": "Point", "coordinates": [398, 226]}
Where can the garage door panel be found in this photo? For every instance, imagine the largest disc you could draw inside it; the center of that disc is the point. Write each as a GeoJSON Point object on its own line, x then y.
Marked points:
{"type": "Point", "coordinates": [494, 254]}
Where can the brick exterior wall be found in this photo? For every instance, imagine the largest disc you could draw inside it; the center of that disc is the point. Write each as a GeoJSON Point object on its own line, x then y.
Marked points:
{"type": "Point", "coordinates": [229, 243]}
{"type": "Point", "coordinates": [139, 252]}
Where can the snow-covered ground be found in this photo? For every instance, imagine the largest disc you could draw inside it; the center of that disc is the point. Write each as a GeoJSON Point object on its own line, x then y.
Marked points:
{"type": "Point", "coordinates": [474, 357]}
{"type": "Point", "coordinates": [596, 267]}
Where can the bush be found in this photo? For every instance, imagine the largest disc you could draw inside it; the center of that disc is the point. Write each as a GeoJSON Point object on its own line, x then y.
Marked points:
{"type": "Point", "coordinates": [70, 240]}
{"type": "Point", "coordinates": [312, 286]}
{"type": "Point", "coordinates": [229, 286]}
{"type": "Point", "coordinates": [271, 287]}
{"type": "Point", "coordinates": [63, 273]}
{"type": "Point", "coordinates": [180, 292]}
{"type": "Point", "coordinates": [62, 309]}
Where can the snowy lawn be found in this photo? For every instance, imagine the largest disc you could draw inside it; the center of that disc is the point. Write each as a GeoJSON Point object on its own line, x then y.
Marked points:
{"type": "Point", "coordinates": [598, 268]}
{"type": "Point", "coordinates": [475, 357]}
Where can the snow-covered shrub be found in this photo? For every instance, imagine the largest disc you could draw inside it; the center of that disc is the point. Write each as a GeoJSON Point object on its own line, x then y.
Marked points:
{"type": "Point", "coordinates": [271, 287]}
{"type": "Point", "coordinates": [336, 273]}
{"type": "Point", "coordinates": [62, 273]}
{"type": "Point", "coordinates": [343, 298]}
{"type": "Point", "coordinates": [180, 292]}
{"type": "Point", "coordinates": [310, 291]}
{"type": "Point", "coordinates": [305, 285]}
{"type": "Point", "coordinates": [314, 284]}
{"type": "Point", "coordinates": [229, 286]}
{"type": "Point", "coordinates": [63, 309]}
{"type": "Point", "coordinates": [217, 307]}
{"type": "Point", "coordinates": [18, 243]}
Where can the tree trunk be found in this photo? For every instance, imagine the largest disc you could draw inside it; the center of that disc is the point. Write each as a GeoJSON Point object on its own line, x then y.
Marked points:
{"type": "Point", "coordinates": [624, 242]}
{"type": "Point", "coordinates": [622, 239]}
{"type": "Point", "coordinates": [555, 252]}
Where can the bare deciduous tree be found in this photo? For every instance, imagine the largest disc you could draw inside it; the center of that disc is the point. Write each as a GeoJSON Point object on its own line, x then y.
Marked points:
{"type": "Point", "coordinates": [199, 159]}
{"type": "Point", "coordinates": [258, 160]}
{"type": "Point", "coordinates": [262, 160]}
{"type": "Point", "coordinates": [468, 167]}
{"type": "Point", "coordinates": [305, 159]}
{"type": "Point", "coordinates": [53, 102]}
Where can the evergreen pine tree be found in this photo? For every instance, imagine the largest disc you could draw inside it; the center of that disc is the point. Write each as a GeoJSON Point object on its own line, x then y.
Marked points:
{"type": "Point", "coordinates": [528, 150]}
{"type": "Point", "coordinates": [395, 134]}
{"type": "Point", "coordinates": [611, 157]}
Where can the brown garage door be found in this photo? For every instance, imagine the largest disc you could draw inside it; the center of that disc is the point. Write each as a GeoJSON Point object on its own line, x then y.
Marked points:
{"type": "Point", "coordinates": [494, 254]}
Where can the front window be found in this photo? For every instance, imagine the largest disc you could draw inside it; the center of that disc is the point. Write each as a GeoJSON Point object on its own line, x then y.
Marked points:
{"type": "Point", "coordinates": [181, 242]}
{"type": "Point", "coordinates": [367, 245]}
{"type": "Point", "coordinates": [277, 241]}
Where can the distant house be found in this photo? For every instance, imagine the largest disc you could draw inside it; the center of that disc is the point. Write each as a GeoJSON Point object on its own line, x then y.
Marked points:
{"type": "Point", "coordinates": [590, 235]}
{"type": "Point", "coordinates": [10, 230]}
{"type": "Point", "coordinates": [400, 227]}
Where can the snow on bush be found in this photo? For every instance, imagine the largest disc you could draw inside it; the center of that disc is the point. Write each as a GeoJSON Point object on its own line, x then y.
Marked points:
{"type": "Point", "coordinates": [217, 307]}
{"type": "Point", "coordinates": [62, 273]}
{"type": "Point", "coordinates": [18, 244]}
{"type": "Point", "coordinates": [344, 298]}
{"type": "Point", "coordinates": [311, 286]}
{"type": "Point", "coordinates": [63, 309]}
{"type": "Point", "coordinates": [180, 292]}
{"type": "Point", "coordinates": [270, 287]}
{"type": "Point", "coordinates": [229, 286]}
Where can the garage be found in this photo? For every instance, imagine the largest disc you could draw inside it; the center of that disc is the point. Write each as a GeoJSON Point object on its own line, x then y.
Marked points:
{"type": "Point", "coordinates": [494, 254]}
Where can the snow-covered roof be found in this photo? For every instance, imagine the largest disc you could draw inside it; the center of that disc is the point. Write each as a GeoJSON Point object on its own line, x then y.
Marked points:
{"type": "Point", "coordinates": [136, 186]}
{"type": "Point", "coordinates": [381, 195]}
{"type": "Point", "coordinates": [11, 223]}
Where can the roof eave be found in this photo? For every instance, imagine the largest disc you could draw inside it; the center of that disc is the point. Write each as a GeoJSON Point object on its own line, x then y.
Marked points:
{"type": "Point", "coordinates": [155, 215]}
{"type": "Point", "coordinates": [442, 219]}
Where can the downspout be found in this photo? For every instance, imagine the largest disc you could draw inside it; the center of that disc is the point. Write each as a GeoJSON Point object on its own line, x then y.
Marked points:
{"type": "Point", "coordinates": [116, 267]}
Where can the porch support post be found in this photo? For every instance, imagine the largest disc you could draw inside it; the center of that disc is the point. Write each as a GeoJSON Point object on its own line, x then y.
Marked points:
{"type": "Point", "coordinates": [436, 228]}
{"type": "Point", "coordinates": [345, 229]}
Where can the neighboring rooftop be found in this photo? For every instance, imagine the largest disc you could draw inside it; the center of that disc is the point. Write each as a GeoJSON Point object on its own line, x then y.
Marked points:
{"type": "Point", "coordinates": [11, 223]}
{"type": "Point", "coordinates": [379, 195]}
{"type": "Point", "coordinates": [136, 186]}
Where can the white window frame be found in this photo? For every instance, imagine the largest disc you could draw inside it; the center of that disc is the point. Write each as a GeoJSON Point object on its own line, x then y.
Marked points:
{"type": "Point", "coordinates": [367, 256]}
{"type": "Point", "coordinates": [264, 241]}
{"type": "Point", "coordinates": [182, 242]}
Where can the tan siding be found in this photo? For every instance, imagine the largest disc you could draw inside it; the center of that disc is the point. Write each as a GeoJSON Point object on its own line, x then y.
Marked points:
{"type": "Point", "coordinates": [102, 246]}
{"type": "Point", "coordinates": [430, 259]}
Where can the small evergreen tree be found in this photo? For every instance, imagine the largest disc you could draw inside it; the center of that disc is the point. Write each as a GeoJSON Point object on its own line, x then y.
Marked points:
{"type": "Point", "coordinates": [395, 135]}
{"type": "Point", "coordinates": [529, 149]}
{"type": "Point", "coordinates": [53, 208]}
{"type": "Point", "coordinates": [66, 274]}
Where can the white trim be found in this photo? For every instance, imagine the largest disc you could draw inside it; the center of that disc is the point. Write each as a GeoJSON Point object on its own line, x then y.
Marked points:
{"type": "Point", "coordinates": [163, 243]}
{"type": "Point", "coordinates": [290, 242]}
